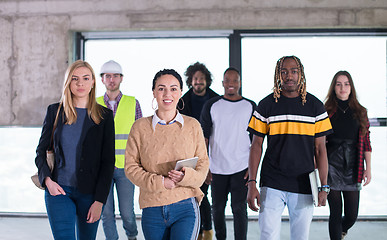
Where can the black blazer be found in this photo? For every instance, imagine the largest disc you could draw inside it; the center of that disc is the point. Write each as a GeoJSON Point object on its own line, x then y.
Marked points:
{"type": "Point", "coordinates": [95, 166]}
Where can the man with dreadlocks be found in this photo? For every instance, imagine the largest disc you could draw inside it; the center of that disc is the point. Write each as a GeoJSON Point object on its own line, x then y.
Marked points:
{"type": "Point", "coordinates": [296, 124]}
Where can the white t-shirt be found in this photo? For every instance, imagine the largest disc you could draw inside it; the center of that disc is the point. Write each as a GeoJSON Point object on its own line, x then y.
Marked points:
{"type": "Point", "coordinates": [225, 123]}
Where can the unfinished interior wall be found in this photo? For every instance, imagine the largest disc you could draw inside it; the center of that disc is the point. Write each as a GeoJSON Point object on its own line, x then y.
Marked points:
{"type": "Point", "coordinates": [36, 42]}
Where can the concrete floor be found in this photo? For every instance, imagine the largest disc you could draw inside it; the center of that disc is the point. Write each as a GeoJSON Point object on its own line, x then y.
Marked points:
{"type": "Point", "coordinates": [34, 228]}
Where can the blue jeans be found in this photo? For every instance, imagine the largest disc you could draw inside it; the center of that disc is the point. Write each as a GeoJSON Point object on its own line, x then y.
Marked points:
{"type": "Point", "coordinates": [125, 193]}
{"type": "Point", "coordinates": [273, 203]}
{"type": "Point", "coordinates": [177, 221]}
{"type": "Point", "coordinates": [68, 213]}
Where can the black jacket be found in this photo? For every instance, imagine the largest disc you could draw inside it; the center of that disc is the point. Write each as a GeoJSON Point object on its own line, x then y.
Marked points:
{"type": "Point", "coordinates": [187, 110]}
{"type": "Point", "coordinates": [97, 153]}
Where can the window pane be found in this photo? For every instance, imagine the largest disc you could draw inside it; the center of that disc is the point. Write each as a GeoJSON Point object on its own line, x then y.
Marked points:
{"type": "Point", "coordinates": [142, 58]}
{"type": "Point", "coordinates": [363, 57]}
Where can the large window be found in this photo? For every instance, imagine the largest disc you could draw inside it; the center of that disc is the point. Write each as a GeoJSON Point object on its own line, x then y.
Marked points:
{"type": "Point", "coordinates": [363, 57]}
{"type": "Point", "coordinates": [141, 56]}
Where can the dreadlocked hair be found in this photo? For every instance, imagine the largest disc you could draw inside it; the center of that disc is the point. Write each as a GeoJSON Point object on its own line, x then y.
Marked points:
{"type": "Point", "coordinates": [278, 79]}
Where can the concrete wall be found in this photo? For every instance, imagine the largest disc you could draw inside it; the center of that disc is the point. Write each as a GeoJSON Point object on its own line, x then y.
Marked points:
{"type": "Point", "coordinates": [36, 36]}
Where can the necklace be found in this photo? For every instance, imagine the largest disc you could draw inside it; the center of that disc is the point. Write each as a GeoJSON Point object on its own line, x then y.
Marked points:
{"type": "Point", "coordinates": [343, 110]}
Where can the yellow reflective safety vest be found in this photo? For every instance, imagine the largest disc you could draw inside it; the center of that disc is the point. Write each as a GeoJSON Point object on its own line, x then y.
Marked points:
{"type": "Point", "coordinates": [123, 121]}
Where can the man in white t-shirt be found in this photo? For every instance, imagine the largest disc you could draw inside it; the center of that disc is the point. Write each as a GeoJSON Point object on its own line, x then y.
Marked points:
{"type": "Point", "coordinates": [224, 121]}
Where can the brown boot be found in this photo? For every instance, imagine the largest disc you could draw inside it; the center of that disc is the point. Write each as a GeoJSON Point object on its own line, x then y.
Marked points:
{"type": "Point", "coordinates": [200, 236]}
{"type": "Point", "coordinates": [207, 234]}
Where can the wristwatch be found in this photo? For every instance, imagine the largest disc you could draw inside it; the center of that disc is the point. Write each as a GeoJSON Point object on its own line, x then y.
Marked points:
{"type": "Point", "coordinates": [324, 188]}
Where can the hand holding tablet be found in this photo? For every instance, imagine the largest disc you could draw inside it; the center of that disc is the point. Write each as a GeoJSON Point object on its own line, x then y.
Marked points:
{"type": "Point", "coordinates": [189, 162]}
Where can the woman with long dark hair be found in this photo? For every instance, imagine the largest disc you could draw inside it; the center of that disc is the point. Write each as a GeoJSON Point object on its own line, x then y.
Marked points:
{"type": "Point", "coordinates": [348, 148]}
{"type": "Point", "coordinates": [83, 144]}
{"type": "Point", "coordinates": [169, 198]}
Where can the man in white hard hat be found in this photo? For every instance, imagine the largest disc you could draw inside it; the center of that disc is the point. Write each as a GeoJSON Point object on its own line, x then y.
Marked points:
{"type": "Point", "coordinates": [126, 110]}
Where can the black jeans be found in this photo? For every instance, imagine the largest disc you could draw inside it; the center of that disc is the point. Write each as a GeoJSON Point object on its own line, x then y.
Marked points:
{"type": "Point", "coordinates": [337, 222]}
{"type": "Point", "coordinates": [205, 210]}
{"type": "Point", "coordinates": [221, 186]}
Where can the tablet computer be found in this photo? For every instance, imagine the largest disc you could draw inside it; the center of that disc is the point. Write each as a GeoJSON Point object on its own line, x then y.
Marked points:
{"type": "Point", "coordinates": [189, 162]}
{"type": "Point", "coordinates": [315, 183]}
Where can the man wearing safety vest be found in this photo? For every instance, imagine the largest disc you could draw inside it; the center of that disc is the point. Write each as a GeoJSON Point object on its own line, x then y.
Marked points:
{"type": "Point", "coordinates": [126, 110]}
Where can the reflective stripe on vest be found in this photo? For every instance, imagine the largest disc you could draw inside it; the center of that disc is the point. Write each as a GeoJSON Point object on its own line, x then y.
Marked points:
{"type": "Point", "coordinates": [123, 121]}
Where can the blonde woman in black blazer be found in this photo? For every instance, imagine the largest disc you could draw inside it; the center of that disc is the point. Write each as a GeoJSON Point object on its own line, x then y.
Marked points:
{"type": "Point", "coordinates": [83, 143]}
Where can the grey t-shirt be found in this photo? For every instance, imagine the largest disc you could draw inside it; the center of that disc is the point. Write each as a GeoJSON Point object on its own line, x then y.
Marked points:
{"type": "Point", "coordinates": [70, 137]}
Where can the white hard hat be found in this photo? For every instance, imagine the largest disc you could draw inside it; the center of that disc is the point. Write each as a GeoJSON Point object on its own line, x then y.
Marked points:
{"type": "Point", "coordinates": [111, 67]}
